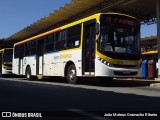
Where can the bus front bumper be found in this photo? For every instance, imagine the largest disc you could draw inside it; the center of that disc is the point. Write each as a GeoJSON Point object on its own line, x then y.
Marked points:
{"type": "Point", "coordinates": [103, 70]}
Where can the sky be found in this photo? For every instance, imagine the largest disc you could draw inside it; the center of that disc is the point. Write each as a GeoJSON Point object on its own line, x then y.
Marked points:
{"type": "Point", "coordinates": [15, 15]}
{"type": "Point", "coordinates": [148, 30]}
{"type": "Point", "coordinates": [18, 14]}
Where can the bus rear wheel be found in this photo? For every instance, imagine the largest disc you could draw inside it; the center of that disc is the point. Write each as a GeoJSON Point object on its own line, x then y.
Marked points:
{"type": "Point", "coordinates": [28, 73]}
{"type": "Point", "coordinates": [72, 74]}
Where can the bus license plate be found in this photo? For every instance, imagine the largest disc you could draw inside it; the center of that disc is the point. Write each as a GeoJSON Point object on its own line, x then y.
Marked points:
{"type": "Point", "coordinates": [126, 72]}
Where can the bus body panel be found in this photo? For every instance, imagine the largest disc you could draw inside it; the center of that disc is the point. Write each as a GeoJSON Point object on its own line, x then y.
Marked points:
{"type": "Point", "coordinates": [106, 71]}
{"type": "Point", "coordinates": [55, 63]}
{"type": "Point", "coordinates": [21, 67]}
{"type": "Point", "coordinates": [40, 65]}
{"type": "Point", "coordinates": [15, 65]}
{"type": "Point", "coordinates": [31, 62]}
{"type": "Point", "coordinates": [75, 56]}
{"type": "Point", "coordinates": [49, 64]}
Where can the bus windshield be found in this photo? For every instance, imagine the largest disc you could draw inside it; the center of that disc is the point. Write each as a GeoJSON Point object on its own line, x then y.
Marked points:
{"type": "Point", "coordinates": [119, 34]}
{"type": "Point", "coordinates": [7, 56]}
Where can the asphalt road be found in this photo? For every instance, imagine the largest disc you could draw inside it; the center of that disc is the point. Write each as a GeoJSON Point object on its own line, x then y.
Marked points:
{"type": "Point", "coordinates": [88, 100]}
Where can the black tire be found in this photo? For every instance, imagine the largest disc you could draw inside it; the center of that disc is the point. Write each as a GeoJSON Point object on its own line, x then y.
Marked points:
{"type": "Point", "coordinates": [28, 73]}
{"type": "Point", "coordinates": [72, 74]}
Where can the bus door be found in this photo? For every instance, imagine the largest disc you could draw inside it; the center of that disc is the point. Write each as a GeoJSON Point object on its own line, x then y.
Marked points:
{"type": "Point", "coordinates": [21, 55]}
{"type": "Point", "coordinates": [88, 52]}
{"type": "Point", "coordinates": [1, 62]}
{"type": "Point", "coordinates": [39, 58]}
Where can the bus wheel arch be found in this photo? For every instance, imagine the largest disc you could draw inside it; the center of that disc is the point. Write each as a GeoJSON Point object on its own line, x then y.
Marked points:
{"type": "Point", "coordinates": [71, 72]}
{"type": "Point", "coordinates": [28, 73]}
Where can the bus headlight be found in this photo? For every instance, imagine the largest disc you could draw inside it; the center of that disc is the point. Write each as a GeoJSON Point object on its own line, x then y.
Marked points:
{"type": "Point", "coordinates": [105, 62]}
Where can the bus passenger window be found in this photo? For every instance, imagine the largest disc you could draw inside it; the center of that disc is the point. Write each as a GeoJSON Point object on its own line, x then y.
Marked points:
{"type": "Point", "coordinates": [16, 51]}
{"type": "Point", "coordinates": [60, 44]}
{"type": "Point", "coordinates": [73, 36]}
{"type": "Point", "coordinates": [49, 46]}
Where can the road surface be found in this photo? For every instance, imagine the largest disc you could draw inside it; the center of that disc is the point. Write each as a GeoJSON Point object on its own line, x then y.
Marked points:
{"type": "Point", "coordinates": [90, 99]}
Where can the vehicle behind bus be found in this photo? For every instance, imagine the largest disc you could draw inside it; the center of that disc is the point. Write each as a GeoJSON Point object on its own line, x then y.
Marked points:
{"type": "Point", "coordinates": [6, 61]}
{"type": "Point", "coordinates": [150, 64]}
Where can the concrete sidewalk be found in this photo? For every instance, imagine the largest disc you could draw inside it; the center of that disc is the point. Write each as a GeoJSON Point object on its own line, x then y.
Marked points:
{"type": "Point", "coordinates": [151, 82]}
{"type": "Point", "coordinates": [140, 79]}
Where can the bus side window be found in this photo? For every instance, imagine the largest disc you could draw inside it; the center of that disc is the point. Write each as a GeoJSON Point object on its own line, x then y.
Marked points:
{"type": "Point", "coordinates": [27, 49]}
{"type": "Point", "coordinates": [21, 51]}
{"type": "Point", "coordinates": [33, 47]}
{"type": "Point", "coordinates": [49, 46]}
{"type": "Point", "coordinates": [0, 58]}
{"type": "Point", "coordinates": [16, 52]}
{"type": "Point", "coordinates": [40, 46]}
{"type": "Point", "coordinates": [73, 36]}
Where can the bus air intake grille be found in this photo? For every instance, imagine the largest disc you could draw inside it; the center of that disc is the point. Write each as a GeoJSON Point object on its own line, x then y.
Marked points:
{"type": "Point", "coordinates": [125, 73]}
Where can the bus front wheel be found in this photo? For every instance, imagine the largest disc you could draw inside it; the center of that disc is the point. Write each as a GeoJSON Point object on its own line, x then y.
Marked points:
{"type": "Point", "coordinates": [72, 74]}
{"type": "Point", "coordinates": [28, 73]}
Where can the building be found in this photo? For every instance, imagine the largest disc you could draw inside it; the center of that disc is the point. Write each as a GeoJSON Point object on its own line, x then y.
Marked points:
{"type": "Point", "coordinates": [149, 43]}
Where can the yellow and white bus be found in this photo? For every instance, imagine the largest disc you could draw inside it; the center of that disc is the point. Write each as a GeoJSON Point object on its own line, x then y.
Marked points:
{"type": "Point", "coordinates": [6, 61]}
{"type": "Point", "coordinates": [101, 45]}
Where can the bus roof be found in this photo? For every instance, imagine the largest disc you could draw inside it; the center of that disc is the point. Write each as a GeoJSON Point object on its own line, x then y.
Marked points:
{"type": "Point", "coordinates": [96, 16]}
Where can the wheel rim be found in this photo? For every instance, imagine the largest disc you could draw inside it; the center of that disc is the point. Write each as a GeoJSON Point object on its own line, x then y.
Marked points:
{"type": "Point", "coordinates": [72, 74]}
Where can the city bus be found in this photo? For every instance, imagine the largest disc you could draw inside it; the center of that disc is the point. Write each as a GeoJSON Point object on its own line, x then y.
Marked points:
{"type": "Point", "coordinates": [6, 61]}
{"type": "Point", "coordinates": [103, 45]}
